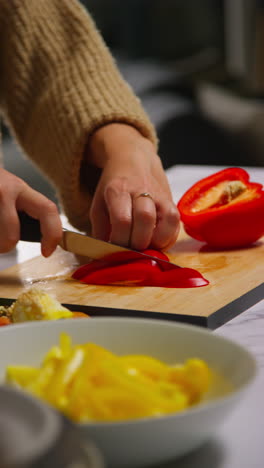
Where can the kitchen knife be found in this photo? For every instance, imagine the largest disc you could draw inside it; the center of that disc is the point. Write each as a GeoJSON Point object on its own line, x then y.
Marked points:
{"type": "Point", "coordinates": [81, 244]}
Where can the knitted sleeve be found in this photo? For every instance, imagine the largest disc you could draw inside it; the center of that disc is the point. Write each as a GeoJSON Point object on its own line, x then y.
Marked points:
{"type": "Point", "coordinates": [58, 83]}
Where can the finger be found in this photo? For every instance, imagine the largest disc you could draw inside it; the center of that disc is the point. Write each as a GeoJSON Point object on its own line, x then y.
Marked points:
{"type": "Point", "coordinates": [39, 207]}
{"type": "Point", "coordinates": [167, 228]}
{"type": "Point", "coordinates": [10, 230]}
{"type": "Point", "coordinates": [100, 221]}
{"type": "Point", "coordinates": [119, 205]}
{"type": "Point", "coordinates": [144, 221]}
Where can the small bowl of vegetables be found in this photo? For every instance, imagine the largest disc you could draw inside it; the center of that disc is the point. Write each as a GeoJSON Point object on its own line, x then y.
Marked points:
{"type": "Point", "coordinates": [144, 391]}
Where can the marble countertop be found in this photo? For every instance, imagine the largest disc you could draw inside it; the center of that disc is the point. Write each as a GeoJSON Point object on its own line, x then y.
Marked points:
{"type": "Point", "coordinates": [238, 443]}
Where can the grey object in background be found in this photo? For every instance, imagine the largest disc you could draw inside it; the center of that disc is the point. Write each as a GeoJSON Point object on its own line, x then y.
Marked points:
{"type": "Point", "coordinates": [161, 29]}
{"type": "Point", "coordinates": [35, 436]}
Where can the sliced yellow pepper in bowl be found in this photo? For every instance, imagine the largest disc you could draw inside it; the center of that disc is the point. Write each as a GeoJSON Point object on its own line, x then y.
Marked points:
{"type": "Point", "coordinates": [89, 383]}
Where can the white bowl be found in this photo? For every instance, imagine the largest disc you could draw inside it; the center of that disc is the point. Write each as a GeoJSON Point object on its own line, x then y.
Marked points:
{"type": "Point", "coordinates": [146, 441]}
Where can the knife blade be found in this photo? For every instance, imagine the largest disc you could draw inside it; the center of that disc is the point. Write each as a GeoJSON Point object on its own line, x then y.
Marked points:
{"type": "Point", "coordinates": [81, 244]}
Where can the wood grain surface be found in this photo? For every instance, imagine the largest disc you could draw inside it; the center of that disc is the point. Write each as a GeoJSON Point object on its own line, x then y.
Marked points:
{"type": "Point", "coordinates": [236, 283]}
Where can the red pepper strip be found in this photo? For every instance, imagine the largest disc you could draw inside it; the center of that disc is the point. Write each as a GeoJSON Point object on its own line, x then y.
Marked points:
{"type": "Point", "coordinates": [220, 218]}
{"type": "Point", "coordinates": [183, 278]}
{"type": "Point", "coordinates": [134, 273]}
{"type": "Point", "coordinates": [89, 268]}
{"type": "Point", "coordinates": [120, 258]}
{"type": "Point", "coordinates": [143, 272]}
{"type": "Point", "coordinates": [163, 266]}
{"type": "Point", "coordinates": [131, 256]}
{"type": "Point", "coordinates": [156, 254]}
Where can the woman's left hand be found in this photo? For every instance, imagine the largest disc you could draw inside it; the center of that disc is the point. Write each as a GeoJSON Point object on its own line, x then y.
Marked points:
{"type": "Point", "coordinates": [132, 205]}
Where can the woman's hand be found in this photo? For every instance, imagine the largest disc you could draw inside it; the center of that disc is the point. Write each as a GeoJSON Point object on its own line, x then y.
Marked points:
{"type": "Point", "coordinates": [16, 195]}
{"type": "Point", "coordinates": [131, 168]}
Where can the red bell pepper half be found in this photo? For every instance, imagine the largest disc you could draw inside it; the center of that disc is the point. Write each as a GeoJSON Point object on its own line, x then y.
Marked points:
{"type": "Point", "coordinates": [225, 210]}
{"type": "Point", "coordinates": [130, 269]}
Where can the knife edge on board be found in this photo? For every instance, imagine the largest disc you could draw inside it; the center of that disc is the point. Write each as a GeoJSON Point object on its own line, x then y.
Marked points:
{"type": "Point", "coordinates": [80, 244]}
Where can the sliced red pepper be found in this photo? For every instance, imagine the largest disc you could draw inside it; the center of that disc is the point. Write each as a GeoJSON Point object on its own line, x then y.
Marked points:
{"type": "Point", "coordinates": [162, 256]}
{"type": "Point", "coordinates": [182, 278]}
{"type": "Point", "coordinates": [127, 270]}
{"type": "Point", "coordinates": [225, 210]}
{"type": "Point", "coordinates": [133, 273]}
{"type": "Point", "coordinates": [118, 258]}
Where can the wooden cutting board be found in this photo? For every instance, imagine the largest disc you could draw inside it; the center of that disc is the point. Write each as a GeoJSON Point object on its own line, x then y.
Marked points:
{"type": "Point", "coordinates": [236, 283]}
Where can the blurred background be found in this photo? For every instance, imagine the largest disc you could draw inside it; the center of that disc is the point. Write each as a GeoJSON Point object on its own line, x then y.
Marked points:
{"type": "Point", "coordinates": [198, 68]}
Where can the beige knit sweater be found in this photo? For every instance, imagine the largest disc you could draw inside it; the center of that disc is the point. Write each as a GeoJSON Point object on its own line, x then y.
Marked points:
{"type": "Point", "coordinates": [58, 83]}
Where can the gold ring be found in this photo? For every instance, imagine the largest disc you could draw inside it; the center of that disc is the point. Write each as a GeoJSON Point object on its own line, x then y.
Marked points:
{"type": "Point", "coordinates": [145, 194]}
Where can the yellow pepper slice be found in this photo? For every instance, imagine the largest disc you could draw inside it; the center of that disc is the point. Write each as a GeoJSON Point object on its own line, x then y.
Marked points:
{"type": "Point", "coordinates": [90, 383]}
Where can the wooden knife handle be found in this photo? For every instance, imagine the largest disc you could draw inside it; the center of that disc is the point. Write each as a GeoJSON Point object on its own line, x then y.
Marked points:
{"type": "Point", "coordinates": [29, 228]}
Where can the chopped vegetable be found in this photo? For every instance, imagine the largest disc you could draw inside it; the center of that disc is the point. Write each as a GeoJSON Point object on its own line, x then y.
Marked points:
{"type": "Point", "coordinates": [4, 321]}
{"type": "Point", "coordinates": [225, 210]}
{"type": "Point", "coordinates": [79, 315]}
{"type": "Point", "coordinates": [89, 383]}
{"type": "Point", "coordinates": [130, 269]}
{"type": "Point", "coordinates": [35, 304]}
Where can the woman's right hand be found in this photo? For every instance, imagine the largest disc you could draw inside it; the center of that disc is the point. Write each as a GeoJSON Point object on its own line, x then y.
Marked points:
{"type": "Point", "coordinates": [16, 195]}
